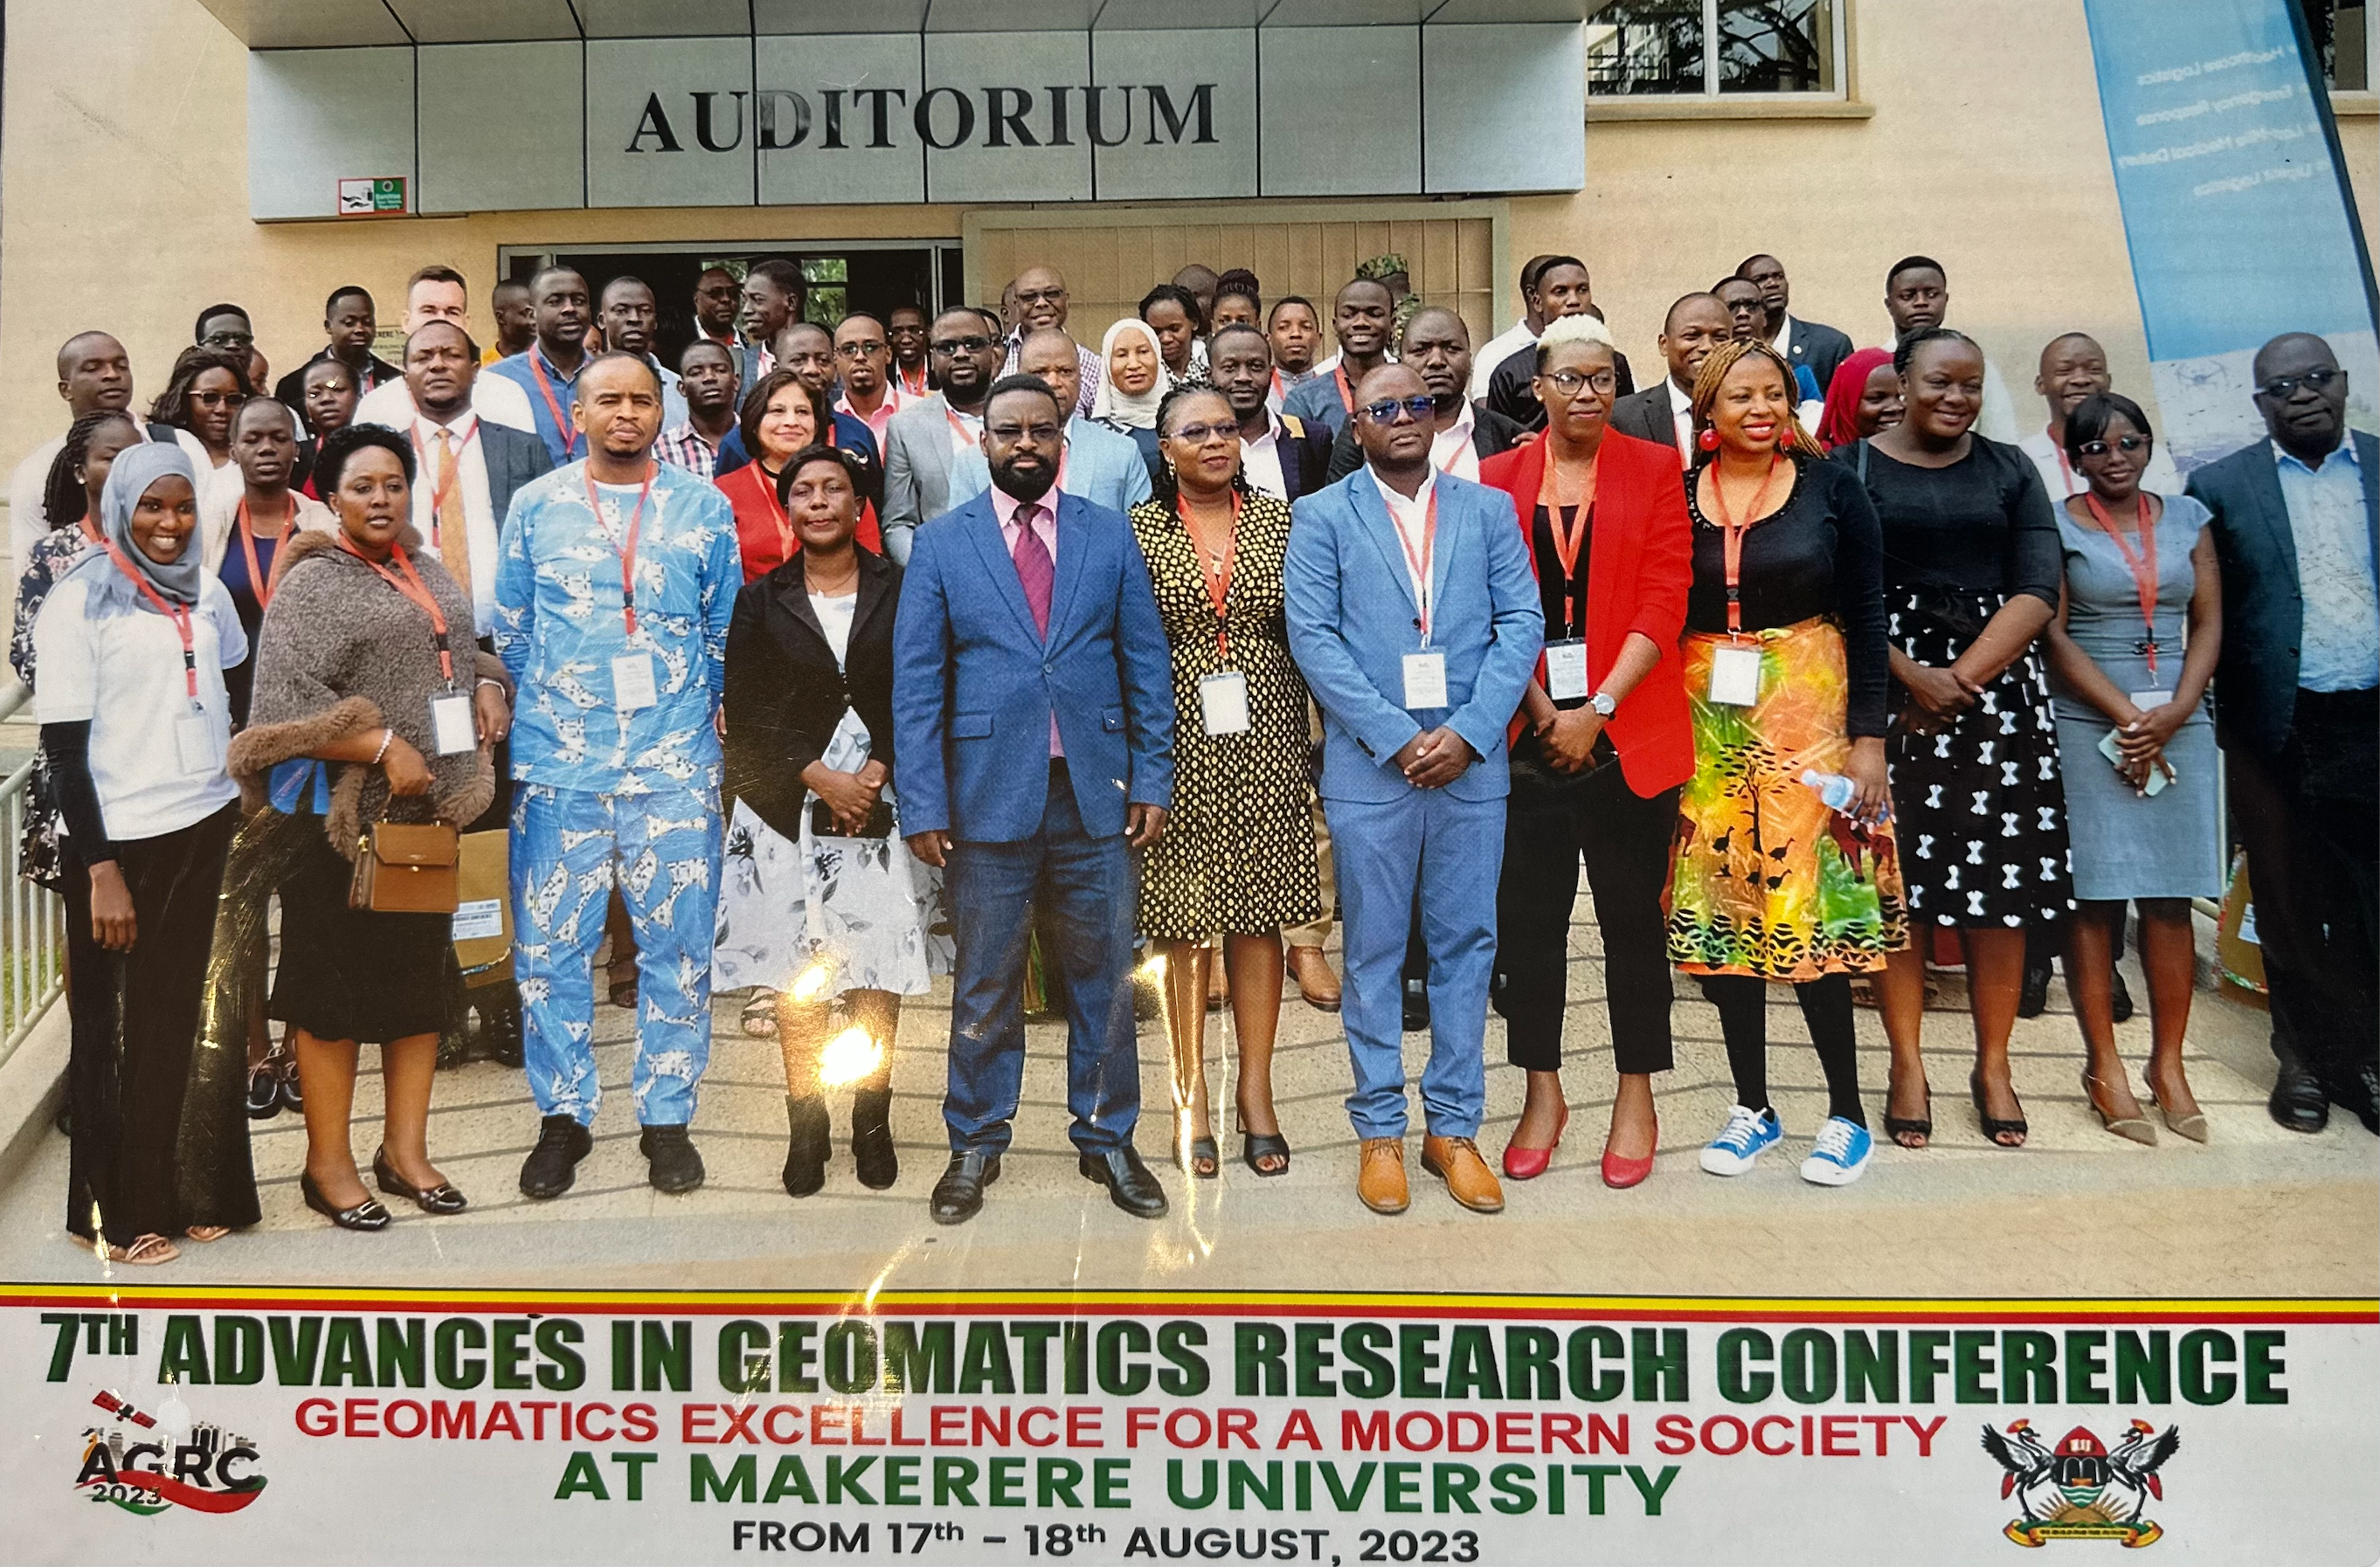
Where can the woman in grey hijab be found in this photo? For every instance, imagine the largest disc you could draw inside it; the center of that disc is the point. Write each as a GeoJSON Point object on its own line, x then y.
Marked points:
{"type": "Point", "coordinates": [132, 643]}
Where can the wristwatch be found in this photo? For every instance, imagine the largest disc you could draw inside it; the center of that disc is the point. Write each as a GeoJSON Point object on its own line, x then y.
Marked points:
{"type": "Point", "coordinates": [1604, 703]}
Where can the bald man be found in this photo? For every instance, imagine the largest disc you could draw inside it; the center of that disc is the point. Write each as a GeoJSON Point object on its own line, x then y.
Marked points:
{"type": "Point", "coordinates": [2074, 367]}
{"type": "Point", "coordinates": [1041, 304]}
{"type": "Point", "coordinates": [94, 374]}
{"type": "Point", "coordinates": [1696, 324]}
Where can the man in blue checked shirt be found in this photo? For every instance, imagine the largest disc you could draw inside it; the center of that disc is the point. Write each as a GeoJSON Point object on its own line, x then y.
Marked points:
{"type": "Point", "coordinates": [612, 597]}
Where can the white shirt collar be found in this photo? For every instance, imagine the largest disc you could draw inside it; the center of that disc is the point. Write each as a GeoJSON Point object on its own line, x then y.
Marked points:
{"type": "Point", "coordinates": [2346, 447]}
{"type": "Point", "coordinates": [461, 424]}
{"type": "Point", "coordinates": [1783, 341]}
{"type": "Point", "coordinates": [1399, 507]}
{"type": "Point", "coordinates": [1680, 402]}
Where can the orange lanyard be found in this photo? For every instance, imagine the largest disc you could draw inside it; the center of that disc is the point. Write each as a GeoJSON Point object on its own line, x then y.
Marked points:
{"type": "Point", "coordinates": [256, 583]}
{"type": "Point", "coordinates": [552, 406]}
{"type": "Point", "coordinates": [1278, 391]}
{"type": "Point", "coordinates": [410, 586]}
{"type": "Point", "coordinates": [1421, 562]}
{"type": "Point", "coordinates": [1569, 522]}
{"type": "Point", "coordinates": [627, 552]}
{"type": "Point", "coordinates": [1454, 454]}
{"type": "Point", "coordinates": [2142, 562]}
{"type": "Point", "coordinates": [1734, 533]}
{"type": "Point", "coordinates": [1346, 392]}
{"type": "Point", "coordinates": [1219, 577]}
{"type": "Point", "coordinates": [913, 387]}
{"type": "Point", "coordinates": [454, 476]}
{"type": "Point", "coordinates": [777, 515]}
{"type": "Point", "coordinates": [958, 426]}
{"type": "Point", "coordinates": [177, 614]}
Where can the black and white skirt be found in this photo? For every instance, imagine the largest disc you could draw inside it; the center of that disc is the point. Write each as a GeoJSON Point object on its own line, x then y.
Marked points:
{"type": "Point", "coordinates": [1981, 806]}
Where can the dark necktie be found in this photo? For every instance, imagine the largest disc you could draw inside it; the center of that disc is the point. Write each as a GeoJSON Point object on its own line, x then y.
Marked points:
{"type": "Point", "coordinates": [1035, 569]}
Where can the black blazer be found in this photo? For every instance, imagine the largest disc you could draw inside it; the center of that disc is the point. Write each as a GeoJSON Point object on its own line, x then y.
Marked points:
{"type": "Point", "coordinates": [1491, 433]}
{"type": "Point", "coordinates": [290, 390]}
{"type": "Point", "coordinates": [513, 458]}
{"type": "Point", "coordinates": [1646, 415]}
{"type": "Point", "coordinates": [1820, 346]}
{"type": "Point", "coordinates": [784, 693]}
{"type": "Point", "coordinates": [2263, 612]}
{"type": "Point", "coordinates": [1306, 449]}
{"type": "Point", "coordinates": [1510, 393]}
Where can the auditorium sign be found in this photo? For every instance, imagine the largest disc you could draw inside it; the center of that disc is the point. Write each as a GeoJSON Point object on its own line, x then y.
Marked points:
{"type": "Point", "coordinates": [902, 117]}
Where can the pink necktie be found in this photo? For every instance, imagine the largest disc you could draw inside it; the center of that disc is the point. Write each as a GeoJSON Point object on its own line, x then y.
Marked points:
{"type": "Point", "coordinates": [1035, 569]}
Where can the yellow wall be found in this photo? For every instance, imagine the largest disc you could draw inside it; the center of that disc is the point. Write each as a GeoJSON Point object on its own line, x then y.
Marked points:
{"type": "Point", "coordinates": [125, 198]}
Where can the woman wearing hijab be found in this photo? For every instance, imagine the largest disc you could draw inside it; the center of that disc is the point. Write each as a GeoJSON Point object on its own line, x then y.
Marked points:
{"type": "Point", "coordinates": [131, 645]}
{"type": "Point", "coordinates": [1863, 398]}
{"type": "Point", "coordinates": [1133, 384]}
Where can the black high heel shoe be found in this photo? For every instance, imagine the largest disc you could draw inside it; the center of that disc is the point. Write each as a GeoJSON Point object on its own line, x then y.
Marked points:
{"type": "Point", "coordinates": [871, 1137]}
{"type": "Point", "coordinates": [809, 1144]}
{"type": "Point", "coordinates": [1997, 1131]}
{"type": "Point", "coordinates": [441, 1200]}
{"type": "Point", "coordinates": [1901, 1129]}
{"type": "Point", "coordinates": [368, 1215]}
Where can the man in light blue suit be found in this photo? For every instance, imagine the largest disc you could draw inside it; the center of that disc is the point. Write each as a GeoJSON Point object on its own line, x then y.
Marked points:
{"type": "Point", "coordinates": [1413, 615]}
{"type": "Point", "coordinates": [1032, 705]}
{"type": "Point", "coordinates": [1101, 466]}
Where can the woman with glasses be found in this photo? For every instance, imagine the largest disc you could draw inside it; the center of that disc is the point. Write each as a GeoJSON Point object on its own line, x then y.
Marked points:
{"type": "Point", "coordinates": [202, 399]}
{"type": "Point", "coordinates": [2138, 632]}
{"type": "Point", "coordinates": [1238, 859]}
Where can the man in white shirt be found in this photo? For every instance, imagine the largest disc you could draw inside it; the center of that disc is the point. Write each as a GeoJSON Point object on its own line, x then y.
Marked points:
{"type": "Point", "coordinates": [94, 374]}
{"type": "Point", "coordinates": [2072, 367]}
{"type": "Point", "coordinates": [1522, 334]}
{"type": "Point", "coordinates": [465, 467]}
{"type": "Point", "coordinates": [1917, 296]}
{"type": "Point", "coordinates": [1695, 325]}
{"type": "Point", "coordinates": [439, 294]}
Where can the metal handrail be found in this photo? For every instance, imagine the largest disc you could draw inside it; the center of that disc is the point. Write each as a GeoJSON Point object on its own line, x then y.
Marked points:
{"type": "Point", "coordinates": [31, 918]}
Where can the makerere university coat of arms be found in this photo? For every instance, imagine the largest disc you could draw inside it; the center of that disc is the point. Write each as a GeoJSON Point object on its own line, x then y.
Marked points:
{"type": "Point", "coordinates": [2081, 1489]}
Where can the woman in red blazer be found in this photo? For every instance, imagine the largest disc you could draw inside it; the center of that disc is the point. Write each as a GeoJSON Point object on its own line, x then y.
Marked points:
{"type": "Point", "coordinates": [780, 416]}
{"type": "Point", "coordinates": [1600, 746]}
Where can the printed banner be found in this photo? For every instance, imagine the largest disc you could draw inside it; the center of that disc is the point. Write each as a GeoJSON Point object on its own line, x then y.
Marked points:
{"type": "Point", "coordinates": [2235, 209]}
{"type": "Point", "coordinates": [407, 1427]}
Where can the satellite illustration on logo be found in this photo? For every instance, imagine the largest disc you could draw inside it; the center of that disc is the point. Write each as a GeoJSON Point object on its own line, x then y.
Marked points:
{"type": "Point", "coordinates": [2081, 1489]}
{"type": "Point", "coordinates": [165, 1460]}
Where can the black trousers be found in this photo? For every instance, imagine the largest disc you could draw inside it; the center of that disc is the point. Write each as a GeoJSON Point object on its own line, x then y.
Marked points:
{"type": "Point", "coordinates": [135, 1019]}
{"type": "Point", "coordinates": [2306, 816]}
{"type": "Point", "coordinates": [1550, 824]}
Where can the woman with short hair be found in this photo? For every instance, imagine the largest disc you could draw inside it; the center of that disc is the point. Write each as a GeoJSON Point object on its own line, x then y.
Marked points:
{"type": "Point", "coordinates": [1172, 313]}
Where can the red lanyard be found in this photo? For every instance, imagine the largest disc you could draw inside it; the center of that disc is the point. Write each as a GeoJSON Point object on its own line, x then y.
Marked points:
{"type": "Point", "coordinates": [177, 614]}
{"type": "Point", "coordinates": [2142, 562]}
{"type": "Point", "coordinates": [1454, 454]}
{"type": "Point", "coordinates": [1734, 533]}
{"type": "Point", "coordinates": [1278, 391]}
{"type": "Point", "coordinates": [1569, 522]}
{"type": "Point", "coordinates": [913, 387]}
{"type": "Point", "coordinates": [1218, 578]}
{"type": "Point", "coordinates": [410, 586]}
{"type": "Point", "coordinates": [958, 426]}
{"type": "Point", "coordinates": [440, 492]}
{"type": "Point", "coordinates": [256, 581]}
{"type": "Point", "coordinates": [777, 515]}
{"type": "Point", "coordinates": [552, 406]}
{"type": "Point", "coordinates": [1421, 562]}
{"type": "Point", "coordinates": [1346, 392]}
{"type": "Point", "coordinates": [627, 552]}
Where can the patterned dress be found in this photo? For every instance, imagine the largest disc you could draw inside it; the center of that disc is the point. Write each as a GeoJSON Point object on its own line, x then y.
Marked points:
{"type": "Point", "coordinates": [1238, 851]}
{"type": "Point", "coordinates": [37, 853]}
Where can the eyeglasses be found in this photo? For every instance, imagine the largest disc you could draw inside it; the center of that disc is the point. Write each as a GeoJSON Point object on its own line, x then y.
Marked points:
{"type": "Point", "coordinates": [1199, 435]}
{"type": "Point", "coordinates": [1046, 434]}
{"type": "Point", "coordinates": [218, 399]}
{"type": "Point", "coordinates": [1385, 410]}
{"type": "Point", "coordinates": [228, 340]}
{"type": "Point", "coordinates": [962, 345]}
{"type": "Point", "coordinates": [2281, 387]}
{"type": "Point", "coordinates": [1042, 296]}
{"type": "Point", "coordinates": [867, 350]}
{"type": "Point", "coordinates": [2127, 444]}
{"type": "Point", "coordinates": [1568, 382]}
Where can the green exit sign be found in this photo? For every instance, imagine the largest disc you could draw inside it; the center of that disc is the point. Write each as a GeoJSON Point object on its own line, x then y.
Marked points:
{"type": "Point", "coordinates": [371, 196]}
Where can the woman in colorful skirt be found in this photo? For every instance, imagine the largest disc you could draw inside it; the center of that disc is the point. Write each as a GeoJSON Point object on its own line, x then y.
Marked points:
{"type": "Point", "coordinates": [1785, 867]}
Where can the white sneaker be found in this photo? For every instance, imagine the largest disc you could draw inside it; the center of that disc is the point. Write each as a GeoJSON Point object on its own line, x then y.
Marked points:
{"type": "Point", "coordinates": [1841, 1155]}
{"type": "Point", "coordinates": [1747, 1135]}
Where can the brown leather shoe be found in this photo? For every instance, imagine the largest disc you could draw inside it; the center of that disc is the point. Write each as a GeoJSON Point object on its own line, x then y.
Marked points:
{"type": "Point", "coordinates": [1380, 1178]}
{"type": "Point", "coordinates": [1316, 983]}
{"type": "Point", "coordinates": [1468, 1180]}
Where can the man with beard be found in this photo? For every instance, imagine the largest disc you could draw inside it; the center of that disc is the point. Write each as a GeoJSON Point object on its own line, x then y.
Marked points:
{"type": "Point", "coordinates": [926, 438]}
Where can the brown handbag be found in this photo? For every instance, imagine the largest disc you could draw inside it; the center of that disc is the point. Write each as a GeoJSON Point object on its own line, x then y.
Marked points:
{"type": "Point", "coordinates": [407, 868]}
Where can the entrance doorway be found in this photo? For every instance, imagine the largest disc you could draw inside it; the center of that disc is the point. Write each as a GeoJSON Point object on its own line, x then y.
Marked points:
{"type": "Point", "coordinates": [839, 277]}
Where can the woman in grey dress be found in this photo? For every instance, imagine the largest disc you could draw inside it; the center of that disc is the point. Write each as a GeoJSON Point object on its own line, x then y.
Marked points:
{"type": "Point", "coordinates": [2134, 643]}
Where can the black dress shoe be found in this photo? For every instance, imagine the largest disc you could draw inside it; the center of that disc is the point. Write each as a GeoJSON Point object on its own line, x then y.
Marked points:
{"type": "Point", "coordinates": [553, 1164]}
{"type": "Point", "coordinates": [2298, 1101]}
{"type": "Point", "coordinates": [368, 1216]}
{"type": "Point", "coordinates": [1416, 1001]}
{"type": "Point", "coordinates": [2366, 1098]}
{"type": "Point", "coordinates": [2119, 997]}
{"type": "Point", "coordinates": [810, 1143]}
{"type": "Point", "coordinates": [2033, 1000]}
{"type": "Point", "coordinates": [672, 1163]}
{"type": "Point", "coordinates": [440, 1200]}
{"type": "Point", "coordinates": [264, 1091]}
{"type": "Point", "coordinates": [500, 1031]}
{"type": "Point", "coordinates": [958, 1195]}
{"type": "Point", "coordinates": [1130, 1184]}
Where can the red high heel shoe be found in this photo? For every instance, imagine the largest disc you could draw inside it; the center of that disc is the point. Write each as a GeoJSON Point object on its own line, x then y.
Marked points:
{"type": "Point", "coordinates": [1621, 1174]}
{"type": "Point", "coordinates": [1528, 1164]}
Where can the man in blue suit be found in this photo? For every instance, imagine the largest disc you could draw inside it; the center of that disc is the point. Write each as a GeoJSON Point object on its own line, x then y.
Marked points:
{"type": "Point", "coordinates": [1413, 615]}
{"type": "Point", "coordinates": [1033, 700]}
{"type": "Point", "coordinates": [1101, 466]}
{"type": "Point", "coordinates": [2297, 705]}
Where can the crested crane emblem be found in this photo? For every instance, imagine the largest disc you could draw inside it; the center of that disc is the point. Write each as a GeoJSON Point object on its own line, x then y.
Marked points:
{"type": "Point", "coordinates": [2081, 1488]}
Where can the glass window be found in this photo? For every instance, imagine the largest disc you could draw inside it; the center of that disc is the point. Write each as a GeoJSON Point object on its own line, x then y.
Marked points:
{"type": "Point", "coordinates": [1777, 46]}
{"type": "Point", "coordinates": [1646, 46]}
{"type": "Point", "coordinates": [1701, 48]}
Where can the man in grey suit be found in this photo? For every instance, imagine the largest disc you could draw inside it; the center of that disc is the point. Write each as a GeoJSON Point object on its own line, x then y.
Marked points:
{"type": "Point", "coordinates": [1696, 324]}
{"type": "Point", "coordinates": [1814, 343]}
{"type": "Point", "coordinates": [1099, 465]}
{"type": "Point", "coordinates": [963, 357]}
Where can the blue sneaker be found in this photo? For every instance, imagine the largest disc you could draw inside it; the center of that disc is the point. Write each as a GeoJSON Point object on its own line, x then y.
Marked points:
{"type": "Point", "coordinates": [1747, 1135]}
{"type": "Point", "coordinates": [1841, 1155]}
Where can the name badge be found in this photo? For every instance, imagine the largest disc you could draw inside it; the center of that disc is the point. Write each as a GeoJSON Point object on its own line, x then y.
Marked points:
{"type": "Point", "coordinates": [1566, 670]}
{"type": "Point", "coordinates": [1224, 702]}
{"type": "Point", "coordinates": [479, 919]}
{"type": "Point", "coordinates": [1424, 680]}
{"type": "Point", "coordinates": [195, 747]}
{"type": "Point", "coordinates": [451, 728]}
{"type": "Point", "coordinates": [2146, 700]}
{"type": "Point", "coordinates": [632, 681]}
{"type": "Point", "coordinates": [1735, 676]}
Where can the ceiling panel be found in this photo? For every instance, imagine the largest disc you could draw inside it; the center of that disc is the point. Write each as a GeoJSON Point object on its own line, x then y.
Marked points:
{"type": "Point", "coordinates": [778, 17]}
{"type": "Point", "coordinates": [485, 21]}
{"type": "Point", "coordinates": [307, 24]}
{"type": "Point", "coordinates": [1348, 13]}
{"type": "Point", "coordinates": [1167, 15]}
{"type": "Point", "coordinates": [664, 18]}
{"type": "Point", "coordinates": [1487, 11]}
{"type": "Point", "coordinates": [1009, 15]}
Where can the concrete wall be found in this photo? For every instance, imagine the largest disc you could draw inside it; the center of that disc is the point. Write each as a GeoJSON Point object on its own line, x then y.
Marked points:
{"type": "Point", "coordinates": [125, 198]}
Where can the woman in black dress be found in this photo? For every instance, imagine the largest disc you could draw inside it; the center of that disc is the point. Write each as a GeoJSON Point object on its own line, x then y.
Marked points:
{"type": "Point", "coordinates": [1970, 577]}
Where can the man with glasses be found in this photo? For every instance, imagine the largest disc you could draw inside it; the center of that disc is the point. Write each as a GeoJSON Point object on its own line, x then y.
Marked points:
{"type": "Point", "coordinates": [1036, 751]}
{"type": "Point", "coordinates": [2297, 706]}
{"type": "Point", "coordinates": [225, 329]}
{"type": "Point", "coordinates": [1041, 307]}
{"type": "Point", "coordinates": [1098, 464]}
{"type": "Point", "coordinates": [1413, 613]}
{"type": "Point", "coordinates": [924, 440]}
{"type": "Point", "coordinates": [865, 356]}
{"type": "Point", "coordinates": [716, 296]}
{"type": "Point", "coordinates": [350, 322]}
{"type": "Point", "coordinates": [1437, 345]}
{"type": "Point", "coordinates": [1563, 288]}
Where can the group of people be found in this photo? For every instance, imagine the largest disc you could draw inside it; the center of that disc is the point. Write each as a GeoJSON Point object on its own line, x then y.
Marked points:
{"type": "Point", "coordinates": [841, 654]}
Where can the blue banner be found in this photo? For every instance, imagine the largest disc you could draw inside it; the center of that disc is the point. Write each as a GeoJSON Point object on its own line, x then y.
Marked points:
{"type": "Point", "coordinates": [2238, 219]}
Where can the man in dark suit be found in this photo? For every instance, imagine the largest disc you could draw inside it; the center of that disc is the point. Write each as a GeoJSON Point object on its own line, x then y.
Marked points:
{"type": "Point", "coordinates": [1803, 342]}
{"type": "Point", "coordinates": [1281, 453]}
{"type": "Point", "coordinates": [1563, 288]}
{"type": "Point", "coordinates": [349, 320]}
{"type": "Point", "coordinates": [1437, 345]}
{"type": "Point", "coordinates": [2297, 706]}
{"type": "Point", "coordinates": [1696, 324]}
{"type": "Point", "coordinates": [1033, 702]}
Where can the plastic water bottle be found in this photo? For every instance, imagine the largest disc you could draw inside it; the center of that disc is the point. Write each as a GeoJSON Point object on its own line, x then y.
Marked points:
{"type": "Point", "coordinates": [1835, 790]}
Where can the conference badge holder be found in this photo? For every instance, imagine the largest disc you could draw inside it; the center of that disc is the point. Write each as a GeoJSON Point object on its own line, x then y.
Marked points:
{"type": "Point", "coordinates": [197, 747]}
{"type": "Point", "coordinates": [632, 681]}
{"type": "Point", "coordinates": [1566, 670]}
{"type": "Point", "coordinates": [1735, 676]}
{"type": "Point", "coordinates": [1424, 680]}
{"type": "Point", "coordinates": [1224, 702]}
{"type": "Point", "coordinates": [451, 726]}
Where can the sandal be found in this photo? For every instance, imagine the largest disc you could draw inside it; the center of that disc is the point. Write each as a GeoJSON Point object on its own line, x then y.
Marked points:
{"type": "Point", "coordinates": [1256, 1146]}
{"type": "Point", "coordinates": [1198, 1157]}
{"type": "Point", "coordinates": [1912, 1132]}
{"type": "Point", "coordinates": [146, 1251]}
{"type": "Point", "coordinates": [2003, 1134]}
{"type": "Point", "coordinates": [207, 1234]}
{"type": "Point", "coordinates": [759, 1015]}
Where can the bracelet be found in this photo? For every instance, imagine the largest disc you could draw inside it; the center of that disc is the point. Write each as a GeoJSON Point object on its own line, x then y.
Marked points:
{"type": "Point", "coordinates": [491, 679]}
{"type": "Point", "coordinates": [386, 735]}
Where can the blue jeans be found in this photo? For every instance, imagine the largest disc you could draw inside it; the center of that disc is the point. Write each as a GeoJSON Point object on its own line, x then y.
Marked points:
{"type": "Point", "coordinates": [1083, 886]}
{"type": "Point", "coordinates": [1451, 850]}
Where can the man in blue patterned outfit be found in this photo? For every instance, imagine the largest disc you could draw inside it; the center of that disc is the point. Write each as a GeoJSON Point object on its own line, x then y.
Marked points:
{"type": "Point", "coordinates": [612, 597]}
